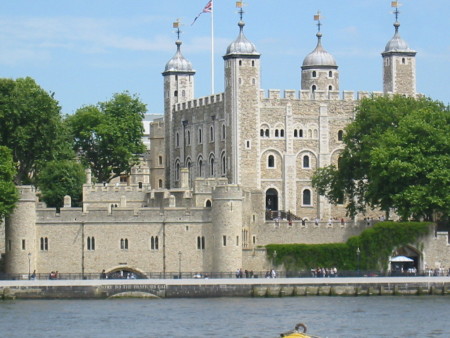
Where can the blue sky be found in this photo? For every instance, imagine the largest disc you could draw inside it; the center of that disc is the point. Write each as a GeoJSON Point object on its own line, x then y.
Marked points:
{"type": "Point", "coordinates": [85, 51]}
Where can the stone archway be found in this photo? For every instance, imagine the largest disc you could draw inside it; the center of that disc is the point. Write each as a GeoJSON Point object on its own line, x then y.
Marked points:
{"type": "Point", "coordinates": [125, 272]}
{"type": "Point", "coordinates": [410, 252]}
{"type": "Point", "coordinates": [272, 199]}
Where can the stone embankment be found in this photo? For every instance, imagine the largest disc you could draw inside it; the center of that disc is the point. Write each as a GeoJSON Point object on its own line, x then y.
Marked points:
{"type": "Point", "coordinates": [201, 288]}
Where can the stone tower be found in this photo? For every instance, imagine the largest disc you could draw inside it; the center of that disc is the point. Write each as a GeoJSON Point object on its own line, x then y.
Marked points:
{"type": "Point", "coordinates": [20, 234]}
{"type": "Point", "coordinates": [242, 90]}
{"type": "Point", "coordinates": [399, 66]}
{"type": "Point", "coordinates": [227, 221]}
{"type": "Point", "coordinates": [178, 88]}
{"type": "Point", "coordinates": [319, 70]}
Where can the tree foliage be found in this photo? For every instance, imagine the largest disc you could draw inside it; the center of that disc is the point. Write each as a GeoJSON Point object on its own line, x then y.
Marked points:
{"type": "Point", "coordinates": [30, 125]}
{"type": "Point", "coordinates": [8, 192]}
{"type": "Point", "coordinates": [108, 136]}
{"type": "Point", "coordinates": [60, 178]}
{"type": "Point", "coordinates": [396, 155]}
{"type": "Point", "coordinates": [376, 244]}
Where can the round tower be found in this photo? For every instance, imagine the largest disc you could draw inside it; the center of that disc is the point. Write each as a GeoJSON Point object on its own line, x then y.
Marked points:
{"type": "Point", "coordinates": [227, 210]}
{"type": "Point", "coordinates": [20, 234]}
{"type": "Point", "coordinates": [319, 69]}
{"type": "Point", "coordinates": [399, 64]}
{"type": "Point", "coordinates": [178, 88]}
{"type": "Point", "coordinates": [242, 101]}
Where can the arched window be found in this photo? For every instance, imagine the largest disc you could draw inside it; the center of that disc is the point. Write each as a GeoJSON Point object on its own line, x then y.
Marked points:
{"type": "Point", "coordinates": [300, 133]}
{"type": "Point", "coordinates": [271, 161]}
{"type": "Point", "coordinates": [306, 197]}
{"type": "Point", "coordinates": [160, 160]}
{"type": "Point", "coordinates": [188, 136]}
{"type": "Point", "coordinates": [160, 183]}
{"type": "Point", "coordinates": [276, 132]}
{"type": "Point", "coordinates": [340, 135]}
{"type": "Point", "coordinates": [261, 132]}
{"type": "Point", "coordinates": [314, 73]}
{"type": "Point", "coordinates": [140, 185]}
{"type": "Point", "coordinates": [224, 165]}
{"type": "Point", "coordinates": [330, 74]}
{"type": "Point", "coordinates": [306, 161]}
{"type": "Point", "coordinates": [272, 199]}
{"type": "Point", "coordinates": [200, 167]}
{"type": "Point", "coordinates": [267, 132]}
{"type": "Point", "coordinates": [295, 133]}
{"type": "Point", "coordinates": [177, 171]}
{"type": "Point", "coordinates": [175, 93]}
{"type": "Point", "coordinates": [200, 136]}
{"type": "Point", "coordinates": [281, 132]}
{"type": "Point", "coordinates": [223, 132]}
{"type": "Point", "coordinates": [211, 166]}
{"type": "Point", "coordinates": [208, 204]}
{"type": "Point", "coordinates": [177, 140]}
{"type": "Point", "coordinates": [330, 87]}
{"type": "Point", "coordinates": [211, 134]}
{"type": "Point", "coordinates": [313, 88]}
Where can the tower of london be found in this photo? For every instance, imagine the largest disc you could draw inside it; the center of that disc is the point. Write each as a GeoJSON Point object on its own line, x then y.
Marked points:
{"type": "Point", "coordinates": [227, 174]}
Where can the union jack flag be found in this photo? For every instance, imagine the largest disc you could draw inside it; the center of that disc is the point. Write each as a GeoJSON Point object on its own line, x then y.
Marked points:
{"type": "Point", "coordinates": [207, 9]}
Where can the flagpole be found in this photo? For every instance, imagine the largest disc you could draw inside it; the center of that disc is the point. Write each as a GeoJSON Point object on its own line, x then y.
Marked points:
{"type": "Point", "coordinates": [212, 47]}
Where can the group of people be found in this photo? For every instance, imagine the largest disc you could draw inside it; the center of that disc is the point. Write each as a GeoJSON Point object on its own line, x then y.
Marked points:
{"type": "Point", "coordinates": [246, 273]}
{"type": "Point", "coordinates": [53, 275]}
{"type": "Point", "coordinates": [324, 272]}
{"type": "Point", "coordinates": [271, 274]}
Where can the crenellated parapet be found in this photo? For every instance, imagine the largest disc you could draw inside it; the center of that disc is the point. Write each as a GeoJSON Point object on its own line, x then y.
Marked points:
{"type": "Point", "coordinates": [318, 95]}
{"type": "Point", "coordinates": [199, 102]}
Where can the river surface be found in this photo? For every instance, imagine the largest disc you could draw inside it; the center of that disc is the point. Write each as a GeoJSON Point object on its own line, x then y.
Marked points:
{"type": "Point", "coordinates": [382, 316]}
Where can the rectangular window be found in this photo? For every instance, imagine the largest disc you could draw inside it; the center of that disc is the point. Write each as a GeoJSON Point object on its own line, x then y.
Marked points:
{"type": "Point", "coordinates": [124, 243]}
{"type": "Point", "coordinates": [237, 240]}
{"type": "Point", "coordinates": [44, 243]}
{"type": "Point", "coordinates": [91, 243]}
{"type": "Point", "coordinates": [23, 245]}
{"type": "Point", "coordinates": [224, 240]}
{"type": "Point", "coordinates": [254, 239]}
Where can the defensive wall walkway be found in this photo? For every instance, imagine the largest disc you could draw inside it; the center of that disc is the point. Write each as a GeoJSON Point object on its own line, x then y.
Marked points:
{"type": "Point", "coordinates": [200, 288]}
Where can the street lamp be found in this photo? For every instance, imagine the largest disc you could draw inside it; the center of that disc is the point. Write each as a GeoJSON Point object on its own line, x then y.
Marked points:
{"type": "Point", "coordinates": [29, 265]}
{"type": "Point", "coordinates": [179, 264]}
{"type": "Point", "coordinates": [358, 254]}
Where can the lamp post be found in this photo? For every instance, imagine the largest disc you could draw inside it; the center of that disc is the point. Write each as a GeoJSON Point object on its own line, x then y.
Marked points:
{"type": "Point", "coordinates": [358, 255]}
{"type": "Point", "coordinates": [29, 265]}
{"type": "Point", "coordinates": [179, 264]}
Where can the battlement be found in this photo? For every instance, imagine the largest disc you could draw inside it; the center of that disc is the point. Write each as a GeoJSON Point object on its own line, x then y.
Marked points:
{"type": "Point", "coordinates": [103, 215]}
{"type": "Point", "coordinates": [229, 192]}
{"type": "Point", "coordinates": [26, 193]}
{"type": "Point", "coordinates": [203, 101]}
{"type": "Point", "coordinates": [318, 95]}
{"type": "Point", "coordinates": [105, 188]}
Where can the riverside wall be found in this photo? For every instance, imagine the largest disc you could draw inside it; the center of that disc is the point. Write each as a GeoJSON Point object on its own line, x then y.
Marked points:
{"type": "Point", "coordinates": [203, 288]}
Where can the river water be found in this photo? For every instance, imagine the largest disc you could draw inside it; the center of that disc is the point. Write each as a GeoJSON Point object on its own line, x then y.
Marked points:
{"type": "Point", "coordinates": [384, 316]}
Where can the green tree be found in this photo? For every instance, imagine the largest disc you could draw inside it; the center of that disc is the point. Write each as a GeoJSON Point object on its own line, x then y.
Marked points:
{"type": "Point", "coordinates": [60, 178]}
{"type": "Point", "coordinates": [371, 176]}
{"type": "Point", "coordinates": [108, 136]}
{"type": "Point", "coordinates": [8, 192]}
{"type": "Point", "coordinates": [30, 125]}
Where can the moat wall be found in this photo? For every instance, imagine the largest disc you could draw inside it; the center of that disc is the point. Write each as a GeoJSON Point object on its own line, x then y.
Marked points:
{"type": "Point", "coordinates": [224, 288]}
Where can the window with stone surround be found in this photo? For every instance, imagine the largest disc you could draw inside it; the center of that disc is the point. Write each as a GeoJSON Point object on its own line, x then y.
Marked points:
{"type": "Point", "coordinates": [124, 244]}
{"type": "Point", "coordinates": [44, 244]}
{"type": "Point", "coordinates": [306, 163]}
{"type": "Point", "coordinates": [154, 243]}
{"type": "Point", "coordinates": [200, 136]}
{"type": "Point", "coordinates": [90, 243]}
{"type": "Point", "coordinates": [340, 135]}
{"type": "Point", "coordinates": [306, 197]}
{"type": "Point", "coordinates": [271, 161]}
{"type": "Point", "coordinates": [177, 140]}
{"type": "Point", "coordinates": [201, 242]}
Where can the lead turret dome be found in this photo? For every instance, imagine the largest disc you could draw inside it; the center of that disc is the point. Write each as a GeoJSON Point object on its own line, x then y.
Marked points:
{"type": "Point", "coordinates": [241, 46]}
{"type": "Point", "coordinates": [319, 57]}
{"type": "Point", "coordinates": [397, 44]}
{"type": "Point", "coordinates": [178, 63]}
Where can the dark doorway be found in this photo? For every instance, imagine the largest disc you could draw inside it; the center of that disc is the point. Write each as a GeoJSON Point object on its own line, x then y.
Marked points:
{"type": "Point", "coordinates": [272, 199]}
